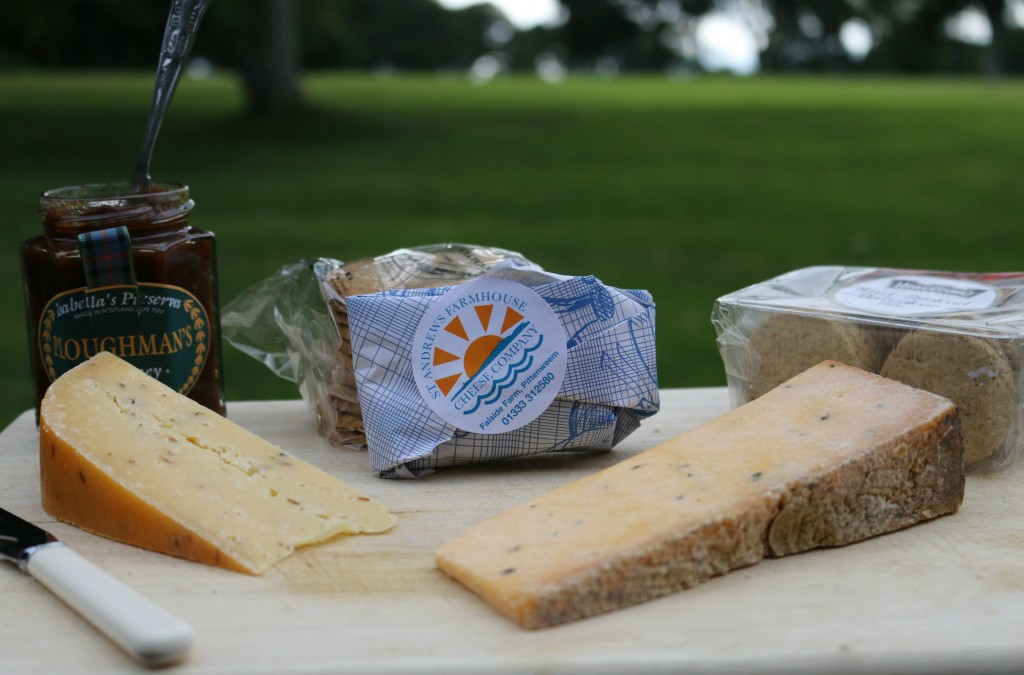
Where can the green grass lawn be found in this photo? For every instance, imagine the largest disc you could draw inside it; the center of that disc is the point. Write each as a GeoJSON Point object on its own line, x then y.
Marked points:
{"type": "Point", "coordinates": [688, 188]}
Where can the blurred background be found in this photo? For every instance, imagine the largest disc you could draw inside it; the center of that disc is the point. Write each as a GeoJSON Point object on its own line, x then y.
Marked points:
{"type": "Point", "coordinates": [688, 147]}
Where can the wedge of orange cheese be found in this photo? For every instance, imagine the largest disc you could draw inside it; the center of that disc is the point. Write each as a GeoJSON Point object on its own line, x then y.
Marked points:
{"type": "Point", "coordinates": [833, 456]}
{"type": "Point", "coordinates": [126, 457]}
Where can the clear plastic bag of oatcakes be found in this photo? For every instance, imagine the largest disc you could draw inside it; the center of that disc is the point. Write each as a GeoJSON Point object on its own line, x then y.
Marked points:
{"type": "Point", "coordinates": [295, 321]}
{"type": "Point", "coordinates": [454, 354]}
{"type": "Point", "coordinates": [959, 335]}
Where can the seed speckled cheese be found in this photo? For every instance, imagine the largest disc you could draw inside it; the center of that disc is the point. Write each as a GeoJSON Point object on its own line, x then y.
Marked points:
{"type": "Point", "coordinates": [833, 456]}
{"type": "Point", "coordinates": [126, 457]}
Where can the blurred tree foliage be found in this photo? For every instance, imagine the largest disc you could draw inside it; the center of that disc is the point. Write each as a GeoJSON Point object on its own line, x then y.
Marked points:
{"type": "Point", "coordinates": [404, 34]}
{"type": "Point", "coordinates": [909, 36]}
{"type": "Point", "coordinates": [268, 41]}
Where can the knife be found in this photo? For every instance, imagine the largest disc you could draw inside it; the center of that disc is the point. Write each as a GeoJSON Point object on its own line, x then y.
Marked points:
{"type": "Point", "coordinates": [137, 625]}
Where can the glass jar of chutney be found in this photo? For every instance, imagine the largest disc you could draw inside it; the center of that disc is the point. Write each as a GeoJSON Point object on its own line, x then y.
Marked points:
{"type": "Point", "coordinates": [124, 272]}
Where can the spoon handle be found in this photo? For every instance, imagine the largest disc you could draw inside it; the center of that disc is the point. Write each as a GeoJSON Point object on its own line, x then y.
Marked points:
{"type": "Point", "coordinates": [179, 34]}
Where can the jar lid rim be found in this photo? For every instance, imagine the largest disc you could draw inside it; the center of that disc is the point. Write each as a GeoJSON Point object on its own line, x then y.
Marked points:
{"type": "Point", "coordinates": [114, 191]}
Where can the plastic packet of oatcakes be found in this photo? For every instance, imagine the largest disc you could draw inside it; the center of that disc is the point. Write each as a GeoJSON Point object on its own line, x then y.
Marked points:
{"type": "Point", "coordinates": [295, 321]}
{"type": "Point", "coordinates": [959, 335]}
{"type": "Point", "coordinates": [456, 354]}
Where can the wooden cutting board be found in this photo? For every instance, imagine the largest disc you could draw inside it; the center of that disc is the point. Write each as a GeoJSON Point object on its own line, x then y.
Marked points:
{"type": "Point", "coordinates": [945, 596]}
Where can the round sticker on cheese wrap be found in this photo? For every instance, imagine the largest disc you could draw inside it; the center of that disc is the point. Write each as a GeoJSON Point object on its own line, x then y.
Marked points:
{"type": "Point", "coordinates": [915, 295]}
{"type": "Point", "coordinates": [489, 356]}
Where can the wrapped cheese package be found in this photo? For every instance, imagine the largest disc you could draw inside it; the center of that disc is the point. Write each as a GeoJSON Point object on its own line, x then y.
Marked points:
{"type": "Point", "coordinates": [955, 334]}
{"type": "Point", "coordinates": [454, 354]}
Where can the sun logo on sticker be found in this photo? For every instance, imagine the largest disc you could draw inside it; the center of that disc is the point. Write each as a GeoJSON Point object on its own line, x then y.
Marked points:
{"type": "Point", "coordinates": [475, 344]}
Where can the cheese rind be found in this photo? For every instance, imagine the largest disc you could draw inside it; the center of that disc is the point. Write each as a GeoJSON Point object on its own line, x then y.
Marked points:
{"type": "Point", "coordinates": [124, 456]}
{"type": "Point", "coordinates": [833, 456]}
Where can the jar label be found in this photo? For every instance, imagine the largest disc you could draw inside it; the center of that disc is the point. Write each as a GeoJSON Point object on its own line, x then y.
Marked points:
{"type": "Point", "coordinates": [162, 330]}
{"type": "Point", "coordinates": [489, 356]}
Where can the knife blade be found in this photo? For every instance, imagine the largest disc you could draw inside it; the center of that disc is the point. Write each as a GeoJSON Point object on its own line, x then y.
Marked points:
{"type": "Point", "coordinates": [144, 630]}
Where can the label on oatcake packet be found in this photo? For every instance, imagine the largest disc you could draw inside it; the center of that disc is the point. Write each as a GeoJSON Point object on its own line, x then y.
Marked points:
{"type": "Point", "coordinates": [916, 295]}
{"type": "Point", "coordinates": [489, 356]}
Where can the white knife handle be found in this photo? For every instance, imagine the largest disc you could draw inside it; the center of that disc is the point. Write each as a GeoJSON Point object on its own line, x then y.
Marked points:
{"type": "Point", "coordinates": [137, 625]}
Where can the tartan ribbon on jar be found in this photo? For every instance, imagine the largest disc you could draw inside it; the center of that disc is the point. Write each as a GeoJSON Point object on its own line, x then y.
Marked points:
{"type": "Point", "coordinates": [107, 257]}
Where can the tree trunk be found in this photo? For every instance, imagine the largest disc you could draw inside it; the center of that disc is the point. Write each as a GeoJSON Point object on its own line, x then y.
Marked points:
{"type": "Point", "coordinates": [995, 11]}
{"type": "Point", "coordinates": [271, 75]}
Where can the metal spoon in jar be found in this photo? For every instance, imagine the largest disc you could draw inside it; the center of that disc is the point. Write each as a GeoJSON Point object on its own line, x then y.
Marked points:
{"type": "Point", "coordinates": [182, 23]}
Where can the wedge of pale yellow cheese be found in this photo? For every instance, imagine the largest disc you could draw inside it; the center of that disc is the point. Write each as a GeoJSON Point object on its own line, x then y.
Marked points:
{"type": "Point", "coordinates": [833, 456]}
{"type": "Point", "coordinates": [126, 457]}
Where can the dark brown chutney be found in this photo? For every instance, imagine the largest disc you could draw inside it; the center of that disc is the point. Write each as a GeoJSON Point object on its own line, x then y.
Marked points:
{"type": "Point", "coordinates": [164, 332]}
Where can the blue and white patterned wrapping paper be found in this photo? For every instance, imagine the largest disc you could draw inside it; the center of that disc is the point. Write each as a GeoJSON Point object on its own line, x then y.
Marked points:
{"type": "Point", "coordinates": [610, 384]}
